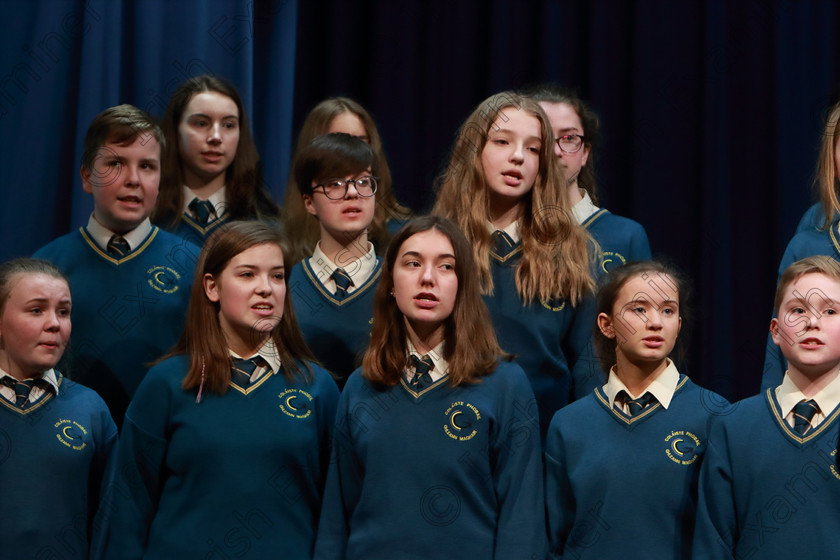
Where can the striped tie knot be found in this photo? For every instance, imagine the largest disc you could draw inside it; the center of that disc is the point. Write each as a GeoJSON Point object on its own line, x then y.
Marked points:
{"type": "Point", "coordinates": [502, 243]}
{"type": "Point", "coordinates": [635, 406]}
{"type": "Point", "coordinates": [202, 210]}
{"type": "Point", "coordinates": [242, 370]}
{"type": "Point", "coordinates": [803, 413]}
{"type": "Point", "coordinates": [118, 246]}
{"type": "Point", "coordinates": [422, 366]}
{"type": "Point", "coordinates": [22, 388]}
{"type": "Point", "coordinates": [342, 283]}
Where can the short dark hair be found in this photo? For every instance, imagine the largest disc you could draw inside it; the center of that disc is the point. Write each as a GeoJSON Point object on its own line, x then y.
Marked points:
{"type": "Point", "coordinates": [333, 155]}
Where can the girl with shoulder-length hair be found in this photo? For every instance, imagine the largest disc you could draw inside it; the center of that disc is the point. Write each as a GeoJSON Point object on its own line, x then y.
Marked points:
{"type": "Point", "coordinates": [645, 400]}
{"type": "Point", "coordinates": [210, 171]}
{"type": "Point", "coordinates": [436, 404]}
{"type": "Point", "coordinates": [236, 418]}
{"type": "Point", "coordinates": [505, 190]}
{"type": "Point", "coordinates": [341, 114]}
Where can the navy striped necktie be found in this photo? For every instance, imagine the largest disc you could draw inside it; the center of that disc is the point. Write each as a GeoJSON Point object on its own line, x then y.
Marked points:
{"type": "Point", "coordinates": [342, 283]}
{"type": "Point", "coordinates": [422, 366]}
{"type": "Point", "coordinates": [803, 413]}
{"type": "Point", "coordinates": [202, 209]}
{"type": "Point", "coordinates": [118, 247]}
{"type": "Point", "coordinates": [635, 406]}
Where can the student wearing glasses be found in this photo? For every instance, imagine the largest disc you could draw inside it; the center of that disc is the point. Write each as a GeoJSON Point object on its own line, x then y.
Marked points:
{"type": "Point", "coordinates": [575, 129]}
{"type": "Point", "coordinates": [333, 289]}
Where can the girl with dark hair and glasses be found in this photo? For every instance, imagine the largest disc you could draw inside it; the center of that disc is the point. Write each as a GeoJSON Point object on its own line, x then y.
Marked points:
{"type": "Point", "coordinates": [336, 176]}
{"type": "Point", "coordinates": [576, 131]}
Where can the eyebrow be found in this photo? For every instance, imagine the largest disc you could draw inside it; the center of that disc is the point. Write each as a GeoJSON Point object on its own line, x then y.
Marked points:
{"type": "Point", "coordinates": [440, 256]}
{"type": "Point", "coordinates": [46, 300]}
{"type": "Point", "coordinates": [206, 116]}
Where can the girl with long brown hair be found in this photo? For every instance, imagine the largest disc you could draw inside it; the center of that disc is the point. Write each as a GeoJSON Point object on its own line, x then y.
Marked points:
{"type": "Point", "coordinates": [505, 190]}
{"type": "Point", "coordinates": [230, 430]}
{"type": "Point", "coordinates": [438, 428]}
{"type": "Point", "coordinates": [210, 171]}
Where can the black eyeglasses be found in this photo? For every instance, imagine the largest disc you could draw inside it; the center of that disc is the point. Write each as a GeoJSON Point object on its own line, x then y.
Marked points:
{"type": "Point", "coordinates": [336, 189]}
{"type": "Point", "coordinates": [570, 143]}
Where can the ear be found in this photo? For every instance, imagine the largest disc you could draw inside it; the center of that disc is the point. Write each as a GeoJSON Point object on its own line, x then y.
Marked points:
{"type": "Point", "coordinates": [585, 158]}
{"type": "Point", "coordinates": [211, 288]}
{"type": "Point", "coordinates": [605, 325]}
{"type": "Point", "coordinates": [86, 175]}
{"type": "Point", "coordinates": [774, 332]}
{"type": "Point", "coordinates": [310, 207]}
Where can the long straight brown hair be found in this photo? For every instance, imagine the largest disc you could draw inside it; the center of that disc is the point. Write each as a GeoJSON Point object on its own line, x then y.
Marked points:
{"type": "Point", "coordinates": [557, 253]}
{"type": "Point", "coordinates": [203, 340]}
{"type": "Point", "coordinates": [246, 198]}
{"type": "Point", "coordinates": [470, 344]}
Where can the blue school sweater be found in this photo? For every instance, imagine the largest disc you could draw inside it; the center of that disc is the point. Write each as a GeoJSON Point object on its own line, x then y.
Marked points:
{"type": "Point", "coordinates": [337, 332]}
{"type": "Point", "coordinates": [622, 487]}
{"type": "Point", "coordinates": [238, 475]}
{"type": "Point", "coordinates": [813, 219]}
{"type": "Point", "coordinates": [196, 234]}
{"type": "Point", "coordinates": [805, 244]}
{"type": "Point", "coordinates": [126, 312]}
{"type": "Point", "coordinates": [552, 340]}
{"type": "Point", "coordinates": [621, 239]}
{"type": "Point", "coordinates": [450, 472]}
{"type": "Point", "coordinates": [52, 461]}
{"type": "Point", "coordinates": [766, 492]}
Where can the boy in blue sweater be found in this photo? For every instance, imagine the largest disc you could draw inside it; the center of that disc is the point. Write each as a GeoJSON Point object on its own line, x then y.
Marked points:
{"type": "Point", "coordinates": [130, 280]}
{"type": "Point", "coordinates": [770, 484]}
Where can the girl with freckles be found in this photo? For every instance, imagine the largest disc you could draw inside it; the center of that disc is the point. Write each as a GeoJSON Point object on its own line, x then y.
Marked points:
{"type": "Point", "coordinates": [225, 445]}
{"type": "Point", "coordinates": [505, 190]}
{"type": "Point", "coordinates": [55, 435]}
{"type": "Point", "coordinates": [436, 448]}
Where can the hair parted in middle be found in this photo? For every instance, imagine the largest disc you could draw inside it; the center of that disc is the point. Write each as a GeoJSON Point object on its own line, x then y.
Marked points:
{"type": "Point", "coordinates": [245, 196]}
{"type": "Point", "coordinates": [609, 287]}
{"type": "Point", "coordinates": [556, 252]}
{"type": "Point", "coordinates": [551, 93]}
{"type": "Point", "coordinates": [203, 339]}
{"type": "Point", "coordinates": [295, 216]}
{"type": "Point", "coordinates": [470, 344]}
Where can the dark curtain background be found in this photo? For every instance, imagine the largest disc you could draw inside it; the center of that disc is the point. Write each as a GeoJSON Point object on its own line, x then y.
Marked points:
{"type": "Point", "coordinates": [711, 112]}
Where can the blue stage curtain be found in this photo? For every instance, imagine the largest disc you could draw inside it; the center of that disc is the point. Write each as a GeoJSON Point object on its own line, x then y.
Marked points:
{"type": "Point", "coordinates": [66, 61]}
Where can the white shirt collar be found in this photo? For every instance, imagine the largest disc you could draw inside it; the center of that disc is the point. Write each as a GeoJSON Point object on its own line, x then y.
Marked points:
{"type": "Point", "coordinates": [436, 354]}
{"type": "Point", "coordinates": [789, 395]}
{"type": "Point", "coordinates": [662, 387]}
{"type": "Point", "coordinates": [268, 352]}
{"type": "Point", "coordinates": [217, 199]}
{"type": "Point", "coordinates": [49, 376]}
{"type": "Point", "coordinates": [101, 235]}
{"type": "Point", "coordinates": [359, 269]}
{"type": "Point", "coordinates": [584, 208]}
{"type": "Point", "coordinates": [512, 230]}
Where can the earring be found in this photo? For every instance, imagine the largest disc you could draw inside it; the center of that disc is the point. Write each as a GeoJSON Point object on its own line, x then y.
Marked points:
{"type": "Point", "coordinates": [392, 293]}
